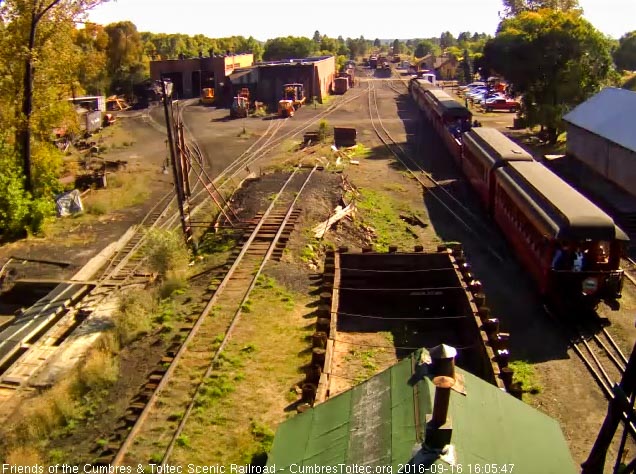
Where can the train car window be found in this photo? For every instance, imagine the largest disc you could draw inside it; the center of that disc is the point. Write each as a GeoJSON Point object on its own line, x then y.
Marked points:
{"type": "Point", "coordinates": [600, 251]}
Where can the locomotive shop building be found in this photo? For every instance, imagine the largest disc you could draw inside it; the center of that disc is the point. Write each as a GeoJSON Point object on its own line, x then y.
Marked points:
{"type": "Point", "coordinates": [266, 80]}
{"type": "Point", "coordinates": [191, 75]}
{"type": "Point", "coordinates": [228, 74]}
{"type": "Point", "coordinates": [600, 134]}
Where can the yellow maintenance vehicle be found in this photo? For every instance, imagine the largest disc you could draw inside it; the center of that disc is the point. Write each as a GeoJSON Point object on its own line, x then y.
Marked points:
{"type": "Point", "coordinates": [293, 99]}
{"type": "Point", "coordinates": [207, 96]}
{"type": "Point", "coordinates": [241, 104]}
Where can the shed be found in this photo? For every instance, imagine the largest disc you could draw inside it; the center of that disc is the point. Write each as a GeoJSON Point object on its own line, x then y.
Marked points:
{"type": "Point", "coordinates": [381, 423]}
{"type": "Point", "coordinates": [600, 133]}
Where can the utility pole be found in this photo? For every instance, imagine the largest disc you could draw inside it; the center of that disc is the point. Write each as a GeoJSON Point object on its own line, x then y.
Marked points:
{"type": "Point", "coordinates": [178, 183]}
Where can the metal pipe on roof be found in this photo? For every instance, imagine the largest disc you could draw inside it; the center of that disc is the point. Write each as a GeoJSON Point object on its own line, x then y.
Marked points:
{"type": "Point", "coordinates": [443, 360]}
{"type": "Point", "coordinates": [442, 400]}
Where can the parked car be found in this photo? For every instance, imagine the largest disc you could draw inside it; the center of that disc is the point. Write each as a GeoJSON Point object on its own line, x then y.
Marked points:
{"type": "Point", "coordinates": [472, 85]}
{"type": "Point", "coordinates": [485, 97]}
{"type": "Point", "coordinates": [501, 104]}
{"type": "Point", "coordinates": [475, 92]}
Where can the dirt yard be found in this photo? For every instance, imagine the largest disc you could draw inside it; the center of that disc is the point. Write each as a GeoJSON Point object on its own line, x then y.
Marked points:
{"type": "Point", "coordinates": [386, 194]}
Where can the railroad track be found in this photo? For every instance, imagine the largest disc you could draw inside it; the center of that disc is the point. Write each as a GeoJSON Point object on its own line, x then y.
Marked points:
{"type": "Point", "coordinates": [123, 268]}
{"type": "Point", "coordinates": [174, 389]}
{"type": "Point", "coordinates": [629, 266]}
{"type": "Point", "coordinates": [439, 192]}
{"type": "Point", "coordinates": [258, 150]}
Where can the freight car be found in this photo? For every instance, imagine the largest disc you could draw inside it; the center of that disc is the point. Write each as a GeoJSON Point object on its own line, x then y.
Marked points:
{"type": "Point", "coordinates": [341, 84]}
{"type": "Point", "coordinates": [569, 246]}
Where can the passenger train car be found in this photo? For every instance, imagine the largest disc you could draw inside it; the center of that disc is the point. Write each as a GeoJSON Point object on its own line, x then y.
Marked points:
{"type": "Point", "coordinates": [569, 246]}
{"type": "Point", "coordinates": [449, 118]}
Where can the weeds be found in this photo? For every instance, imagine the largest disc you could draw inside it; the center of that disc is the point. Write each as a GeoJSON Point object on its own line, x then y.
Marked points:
{"type": "Point", "coordinates": [382, 213]}
{"type": "Point", "coordinates": [323, 127]}
{"type": "Point", "coordinates": [525, 375]}
{"type": "Point", "coordinates": [264, 438]}
{"type": "Point", "coordinates": [100, 370]}
{"type": "Point", "coordinates": [97, 209]}
{"type": "Point", "coordinates": [214, 388]}
{"type": "Point", "coordinates": [134, 315]}
{"type": "Point", "coordinates": [124, 190]}
{"type": "Point", "coordinates": [358, 151]}
{"type": "Point", "coordinates": [23, 456]}
{"type": "Point", "coordinates": [172, 286]}
{"type": "Point", "coordinates": [216, 242]}
{"type": "Point", "coordinates": [166, 253]}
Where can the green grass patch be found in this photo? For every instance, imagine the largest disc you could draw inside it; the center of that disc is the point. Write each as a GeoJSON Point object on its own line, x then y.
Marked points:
{"type": "Point", "coordinates": [382, 214]}
{"type": "Point", "coordinates": [217, 242]}
{"type": "Point", "coordinates": [525, 375]}
{"type": "Point", "coordinates": [358, 151]}
{"type": "Point", "coordinates": [124, 190]}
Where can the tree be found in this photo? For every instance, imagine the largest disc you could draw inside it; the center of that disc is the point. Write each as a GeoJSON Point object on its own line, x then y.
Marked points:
{"type": "Point", "coordinates": [26, 16]}
{"type": "Point", "coordinates": [397, 47]}
{"type": "Point", "coordinates": [317, 38]}
{"type": "Point", "coordinates": [514, 7]}
{"type": "Point", "coordinates": [447, 39]}
{"type": "Point", "coordinates": [423, 48]}
{"type": "Point", "coordinates": [357, 47]}
{"type": "Point", "coordinates": [127, 63]}
{"type": "Point", "coordinates": [92, 42]}
{"type": "Point", "coordinates": [288, 47]}
{"type": "Point", "coordinates": [377, 43]}
{"type": "Point", "coordinates": [555, 59]}
{"type": "Point", "coordinates": [467, 73]}
{"type": "Point", "coordinates": [625, 54]}
{"type": "Point", "coordinates": [328, 45]}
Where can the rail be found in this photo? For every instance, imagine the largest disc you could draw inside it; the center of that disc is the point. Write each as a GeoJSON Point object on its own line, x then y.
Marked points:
{"type": "Point", "coordinates": [242, 268]}
{"type": "Point", "coordinates": [392, 145]}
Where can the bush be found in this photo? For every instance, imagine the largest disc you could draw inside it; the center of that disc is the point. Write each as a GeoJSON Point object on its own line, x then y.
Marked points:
{"type": "Point", "coordinates": [14, 200]}
{"type": "Point", "coordinates": [100, 370]}
{"type": "Point", "coordinates": [166, 253]}
{"type": "Point", "coordinates": [323, 127]}
{"type": "Point", "coordinates": [134, 315]}
{"type": "Point", "coordinates": [54, 409]}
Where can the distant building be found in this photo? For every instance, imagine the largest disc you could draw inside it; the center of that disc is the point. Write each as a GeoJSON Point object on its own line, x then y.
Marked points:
{"type": "Point", "coordinates": [444, 66]}
{"type": "Point", "coordinates": [266, 80]}
{"type": "Point", "coordinates": [600, 133]}
{"type": "Point", "coordinates": [191, 75]}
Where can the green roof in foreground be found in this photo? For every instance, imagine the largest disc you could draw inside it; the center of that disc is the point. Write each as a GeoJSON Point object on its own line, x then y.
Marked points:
{"type": "Point", "coordinates": [381, 423]}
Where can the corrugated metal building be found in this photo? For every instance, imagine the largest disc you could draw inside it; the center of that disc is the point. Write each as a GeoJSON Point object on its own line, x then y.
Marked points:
{"type": "Point", "coordinates": [600, 133]}
{"type": "Point", "coordinates": [266, 80]}
{"type": "Point", "coordinates": [382, 422]}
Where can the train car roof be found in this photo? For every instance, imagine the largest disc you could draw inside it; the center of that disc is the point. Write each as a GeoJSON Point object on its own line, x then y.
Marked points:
{"type": "Point", "coordinates": [496, 145]}
{"type": "Point", "coordinates": [569, 214]}
{"type": "Point", "coordinates": [448, 105]}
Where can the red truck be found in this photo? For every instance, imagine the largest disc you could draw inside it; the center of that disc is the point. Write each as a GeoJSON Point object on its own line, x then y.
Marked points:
{"type": "Point", "coordinates": [501, 104]}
